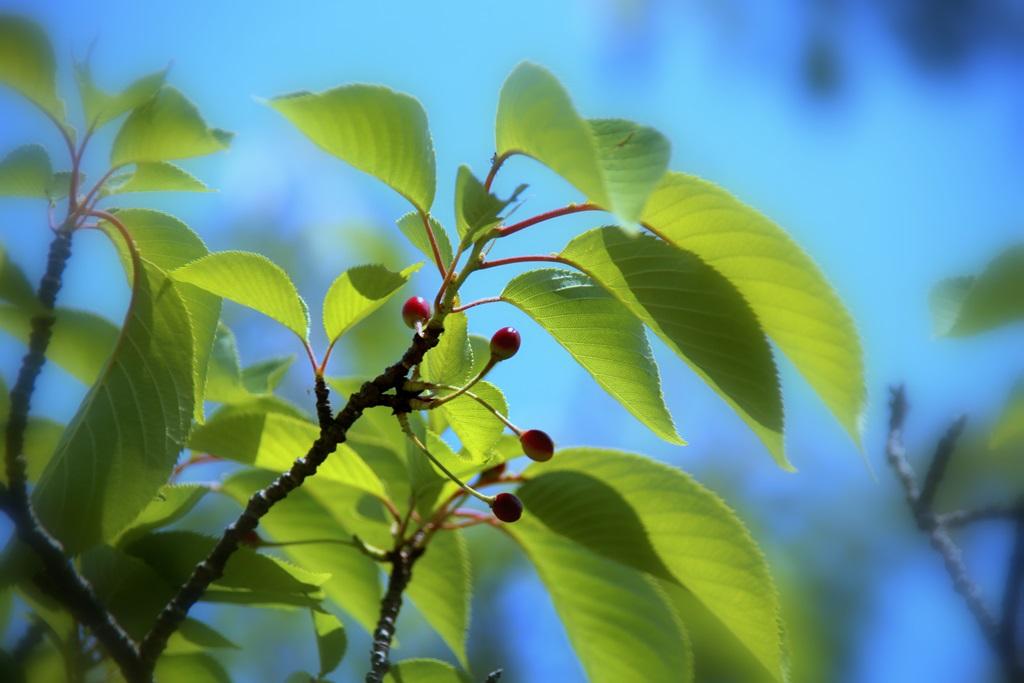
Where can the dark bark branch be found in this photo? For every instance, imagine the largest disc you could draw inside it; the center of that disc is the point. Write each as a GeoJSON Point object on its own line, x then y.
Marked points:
{"type": "Point", "coordinates": [370, 395]}
{"type": "Point", "coordinates": [940, 460]}
{"type": "Point", "coordinates": [962, 518]}
{"type": "Point", "coordinates": [494, 676]}
{"type": "Point", "coordinates": [59, 577]}
{"type": "Point", "coordinates": [938, 535]}
{"type": "Point", "coordinates": [323, 403]}
{"type": "Point", "coordinates": [402, 561]}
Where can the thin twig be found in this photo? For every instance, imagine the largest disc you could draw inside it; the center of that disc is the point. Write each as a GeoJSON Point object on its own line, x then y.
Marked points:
{"type": "Point", "coordinates": [962, 518]}
{"type": "Point", "coordinates": [933, 528]}
{"type": "Point", "coordinates": [401, 574]}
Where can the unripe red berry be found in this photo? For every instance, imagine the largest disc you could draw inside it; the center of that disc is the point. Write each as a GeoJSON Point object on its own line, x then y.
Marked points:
{"type": "Point", "coordinates": [507, 507]}
{"type": "Point", "coordinates": [505, 343]}
{"type": "Point", "coordinates": [415, 310]}
{"type": "Point", "coordinates": [537, 445]}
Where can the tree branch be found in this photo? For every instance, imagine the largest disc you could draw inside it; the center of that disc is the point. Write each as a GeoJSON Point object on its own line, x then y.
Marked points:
{"type": "Point", "coordinates": [932, 525]}
{"type": "Point", "coordinates": [370, 395]}
{"type": "Point", "coordinates": [402, 560]}
{"type": "Point", "coordinates": [59, 579]}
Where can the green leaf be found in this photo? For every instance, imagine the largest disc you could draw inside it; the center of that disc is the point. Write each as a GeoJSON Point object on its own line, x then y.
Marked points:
{"type": "Point", "coordinates": [27, 63]}
{"type": "Point", "coordinates": [174, 554]}
{"type": "Point", "coordinates": [14, 286]}
{"type": "Point", "coordinates": [331, 640]}
{"type": "Point", "coordinates": [41, 439]}
{"type": "Point", "coordinates": [658, 520]}
{"type": "Point", "coordinates": [273, 441]}
{"type": "Point", "coordinates": [602, 335]}
{"type": "Point", "coordinates": [451, 360]}
{"type": "Point", "coordinates": [251, 280]}
{"type": "Point", "coordinates": [357, 293]}
{"type": "Point", "coordinates": [167, 243]}
{"type": "Point", "coordinates": [966, 306]}
{"type": "Point", "coordinates": [165, 128]}
{"type": "Point", "coordinates": [159, 176]}
{"type": "Point", "coordinates": [1009, 428]}
{"type": "Point", "coordinates": [698, 313]}
{"type": "Point", "coordinates": [477, 427]}
{"type": "Point", "coordinates": [171, 503]}
{"type": "Point", "coordinates": [476, 209]}
{"type": "Point", "coordinates": [81, 342]}
{"type": "Point", "coordinates": [441, 589]}
{"type": "Point", "coordinates": [617, 620]}
{"type": "Point", "coordinates": [195, 667]}
{"type": "Point", "coordinates": [142, 403]}
{"type": "Point", "coordinates": [26, 172]}
{"type": "Point", "coordinates": [354, 583]}
{"type": "Point", "coordinates": [791, 297]}
{"type": "Point", "coordinates": [263, 377]}
{"type": "Point", "coordinates": [377, 130]}
{"type": "Point", "coordinates": [411, 225]}
{"type": "Point", "coordinates": [633, 159]}
{"type": "Point", "coordinates": [101, 107]}
{"type": "Point", "coordinates": [614, 163]}
{"type": "Point", "coordinates": [195, 636]}
{"type": "Point", "coordinates": [224, 374]}
{"type": "Point", "coordinates": [424, 671]}
{"type": "Point", "coordinates": [127, 586]}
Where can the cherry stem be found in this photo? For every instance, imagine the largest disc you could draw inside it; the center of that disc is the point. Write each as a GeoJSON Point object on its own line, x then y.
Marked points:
{"type": "Point", "coordinates": [433, 244]}
{"type": "Point", "coordinates": [459, 391]}
{"type": "Point", "coordinates": [537, 258]}
{"type": "Point", "coordinates": [495, 167]}
{"type": "Point", "coordinates": [195, 459]}
{"type": "Point", "coordinates": [478, 302]}
{"type": "Point", "coordinates": [98, 186]}
{"type": "Point", "coordinates": [403, 419]}
{"type": "Point", "coordinates": [546, 216]}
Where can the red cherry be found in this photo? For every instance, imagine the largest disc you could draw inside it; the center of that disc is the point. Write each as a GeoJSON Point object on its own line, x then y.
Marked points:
{"type": "Point", "coordinates": [537, 445]}
{"type": "Point", "coordinates": [507, 507]}
{"type": "Point", "coordinates": [415, 310]}
{"type": "Point", "coordinates": [505, 343]}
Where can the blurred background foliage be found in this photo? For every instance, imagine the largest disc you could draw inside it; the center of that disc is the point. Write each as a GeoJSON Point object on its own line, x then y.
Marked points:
{"type": "Point", "coordinates": [885, 135]}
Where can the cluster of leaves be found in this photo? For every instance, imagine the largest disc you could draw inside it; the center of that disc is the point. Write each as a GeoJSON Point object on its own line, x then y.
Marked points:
{"type": "Point", "coordinates": [641, 561]}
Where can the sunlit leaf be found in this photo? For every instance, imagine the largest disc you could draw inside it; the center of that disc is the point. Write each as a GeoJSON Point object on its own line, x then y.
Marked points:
{"type": "Point", "coordinates": [81, 342]}
{"type": "Point", "coordinates": [441, 587]}
{"type": "Point", "coordinates": [27, 63]}
{"type": "Point", "coordinates": [273, 441]}
{"type": "Point", "coordinates": [128, 587]}
{"type": "Point", "coordinates": [167, 243]}
{"type": "Point", "coordinates": [411, 225]}
{"type": "Point", "coordinates": [195, 636]}
{"type": "Point", "coordinates": [174, 554]}
{"type": "Point", "coordinates": [614, 163]}
{"type": "Point", "coordinates": [101, 107]}
{"type": "Point", "coordinates": [331, 640]}
{"type": "Point", "coordinates": [658, 520]}
{"type": "Point", "coordinates": [251, 280]}
{"type": "Point", "coordinates": [165, 128]}
{"type": "Point", "coordinates": [377, 130]}
{"type": "Point", "coordinates": [354, 583]}
{"type": "Point", "coordinates": [357, 293]}
{"type": "Point", "coordinates": [476, 209]}
{"type": "Point", "coordinates": [159, 176]}
{"type": "Point", "coordinates": [171, 503]}
{"type": "Point", "coordinates": [698, 313]}
{"type": "Point", "coordinates": [26, 172]}
{"type": "Point", "coordinates": [424, 671]}
{"type": "Point", "coordinates": [14, 286]}
{"type": "Point", "coordinates": [617, 620]}
{"type": "Point", "coordinates": [602, 335]}
{"type": "Point", "coordinates": [195, 667]}
{"type": "Point", "coordinates": [263, 377]}
{"type": "Point", "coordinates": [791, 297]}
{"type": "Point", "coordinates": [476, 426]}
{"type": "Point", "coordinates": [142, 403]}
{"type": "Point", "coordinates": [451, 360]}
{"type": "Point", "coordinates": [966, 306]}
